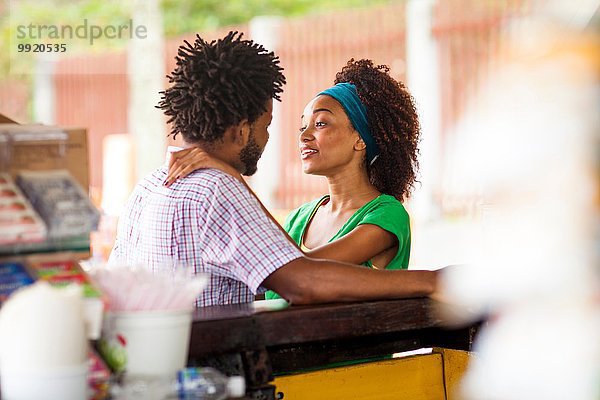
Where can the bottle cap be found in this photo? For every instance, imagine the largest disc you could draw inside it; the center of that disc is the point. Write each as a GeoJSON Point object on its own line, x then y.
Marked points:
{"type": "Point", "coordinates": [236, 386]}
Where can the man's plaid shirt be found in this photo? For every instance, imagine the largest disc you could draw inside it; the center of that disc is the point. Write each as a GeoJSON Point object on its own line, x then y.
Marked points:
{"type": "Point", "coordinates": [209, 222]}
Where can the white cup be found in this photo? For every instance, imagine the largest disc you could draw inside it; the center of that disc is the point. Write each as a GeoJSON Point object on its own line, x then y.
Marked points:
{"type": "Point", "coordinates": [59, 383]}
{"type": "Point", "coordinates": [43, 346]}
{"type": "Point", "coordinates": [156, 343]}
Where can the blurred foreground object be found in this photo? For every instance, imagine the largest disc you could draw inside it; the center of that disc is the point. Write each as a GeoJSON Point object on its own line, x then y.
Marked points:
{"type": "Point", "coordinates": [530, 145]}
{"type": "Point", "coordinates": [43, 346]}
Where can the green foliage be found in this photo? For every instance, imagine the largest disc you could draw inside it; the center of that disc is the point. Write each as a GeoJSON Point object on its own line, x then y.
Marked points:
{"type": "Point", "coordinates": [184, 16]}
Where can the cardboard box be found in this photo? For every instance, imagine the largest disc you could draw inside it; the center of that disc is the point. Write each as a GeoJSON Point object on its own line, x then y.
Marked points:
{"type": "Point", "coordinates": [70, 154]}
{"type": "Point", "coordinates": [5, 120]}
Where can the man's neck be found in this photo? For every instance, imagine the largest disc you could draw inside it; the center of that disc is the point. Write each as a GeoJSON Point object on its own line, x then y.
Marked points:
{"type": "Point", "coordinates": [217, 150]}
{"type": "Point", "coordinates": [187, 145]}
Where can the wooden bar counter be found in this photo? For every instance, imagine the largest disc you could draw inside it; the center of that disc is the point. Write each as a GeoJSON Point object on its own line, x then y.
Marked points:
{"type": "Point", "coordinates": [238, 339]}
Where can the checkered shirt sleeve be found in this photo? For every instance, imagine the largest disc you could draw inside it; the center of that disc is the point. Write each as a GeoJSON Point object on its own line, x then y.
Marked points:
{"type": "Point", "coordinates": [209, 222]}
{"type": "Point", "coordinates": [240, 241]}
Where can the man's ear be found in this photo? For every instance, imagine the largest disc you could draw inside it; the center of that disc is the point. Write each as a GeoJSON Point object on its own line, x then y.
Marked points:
{"type": "Point", "coordinates": [240, 133]}
{"type": "Point", "coordinates": [359, 145]}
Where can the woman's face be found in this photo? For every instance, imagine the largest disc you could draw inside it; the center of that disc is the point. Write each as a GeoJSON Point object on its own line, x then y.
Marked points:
{"type": "Point", "coordinates": [327, 140]}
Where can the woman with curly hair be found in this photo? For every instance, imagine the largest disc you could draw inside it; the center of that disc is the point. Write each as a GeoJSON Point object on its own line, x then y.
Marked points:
{"type": "Point", "coordinates": [362, 135]}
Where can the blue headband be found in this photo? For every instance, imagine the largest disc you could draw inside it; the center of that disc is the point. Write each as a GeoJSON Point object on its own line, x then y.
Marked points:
{"type": "Point", "coordinates": [347, 96]}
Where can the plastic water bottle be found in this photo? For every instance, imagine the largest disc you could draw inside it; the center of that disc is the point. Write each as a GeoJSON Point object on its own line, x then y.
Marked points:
{"type": "Point", "coordinates": [208, 384]}
{"type": "Point", "coordinates": [189, 384]}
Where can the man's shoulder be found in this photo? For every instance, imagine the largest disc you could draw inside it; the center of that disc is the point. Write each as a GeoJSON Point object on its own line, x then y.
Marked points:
{"type": "Point", "coordinates": [213, 175]}
{"type": "Point", "coordinates": [211, 178]}
{"type": "Point", "coordinates": [206, 181]}
{"type": "Point", "coordinates": [198, 182]}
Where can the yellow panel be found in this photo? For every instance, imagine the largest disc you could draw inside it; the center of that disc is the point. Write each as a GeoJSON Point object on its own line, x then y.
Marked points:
{"type": "Point", "coordinates": [455, 366]}
{"type": "Point", "coordinates": [410, 378]}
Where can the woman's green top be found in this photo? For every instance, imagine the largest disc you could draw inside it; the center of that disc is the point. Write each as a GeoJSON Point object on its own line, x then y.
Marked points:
{"type": "Point", "coordinates": [384, 211]}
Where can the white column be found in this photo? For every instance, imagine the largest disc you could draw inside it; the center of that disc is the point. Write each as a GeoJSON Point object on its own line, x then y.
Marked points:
{"type": "Point", "coordinates": [44, 93]}
{"type": "Point", "coordinates": [146, 72]}
{"type": "Point", "coordinates": [424, 83]}
{"type": "Point", "coordinates": [117, 177]}
{"type": "Point", "coordinates": [265, 30]}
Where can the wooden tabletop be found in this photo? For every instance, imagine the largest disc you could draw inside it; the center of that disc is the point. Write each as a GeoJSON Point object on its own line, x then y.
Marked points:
{"type": "Point", "coordinates": [231, 328]}
{"type": "Point", "coordinates": [239, 340]}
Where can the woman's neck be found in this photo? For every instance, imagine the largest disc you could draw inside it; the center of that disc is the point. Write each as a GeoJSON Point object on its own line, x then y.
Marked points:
{"type": "Point", "coordinates": [350, 190]}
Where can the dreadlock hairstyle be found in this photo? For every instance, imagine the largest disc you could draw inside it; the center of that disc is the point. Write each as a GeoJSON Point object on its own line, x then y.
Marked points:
{"type": "Point", "coordinates": [218, 84]}
{"type": "Point", "coordinates": [393, 121]}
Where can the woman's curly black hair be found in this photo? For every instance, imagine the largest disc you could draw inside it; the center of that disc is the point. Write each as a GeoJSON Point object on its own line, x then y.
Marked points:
{"type": "Point", "coordinates": [218, 84]}
{"type": "Point", "coordinates": [394, 124]}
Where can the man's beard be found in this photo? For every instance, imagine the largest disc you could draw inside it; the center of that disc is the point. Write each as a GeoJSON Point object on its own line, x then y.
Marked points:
{"type": "Point", "coordinates": [250, 155]}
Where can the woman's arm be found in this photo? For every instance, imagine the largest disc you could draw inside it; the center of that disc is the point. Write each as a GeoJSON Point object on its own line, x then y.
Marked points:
{"type": "Point", "coordinates": [358, 246]}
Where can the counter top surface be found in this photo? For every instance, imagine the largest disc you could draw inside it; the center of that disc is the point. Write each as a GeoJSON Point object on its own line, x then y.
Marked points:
{"type": "Point", "coordinates": [231, 327]}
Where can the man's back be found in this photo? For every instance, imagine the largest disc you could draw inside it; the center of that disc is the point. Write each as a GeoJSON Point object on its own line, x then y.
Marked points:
{"type": "Point", "coordinates": [208, 222]}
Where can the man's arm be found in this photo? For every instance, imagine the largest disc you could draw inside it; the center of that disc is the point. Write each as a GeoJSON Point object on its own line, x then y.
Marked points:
{"type": "Point", "coordinates": [305, 280]}
{"type": "Point", "coordinates": [308, 281]}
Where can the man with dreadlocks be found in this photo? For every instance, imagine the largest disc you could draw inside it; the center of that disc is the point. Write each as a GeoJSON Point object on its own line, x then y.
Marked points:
{"type": "Point", "coordinates": [220, 100]}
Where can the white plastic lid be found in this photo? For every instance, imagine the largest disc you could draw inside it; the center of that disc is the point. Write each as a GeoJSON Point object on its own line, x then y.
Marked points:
{"type": "Point", "coordinates": [236, 386]}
